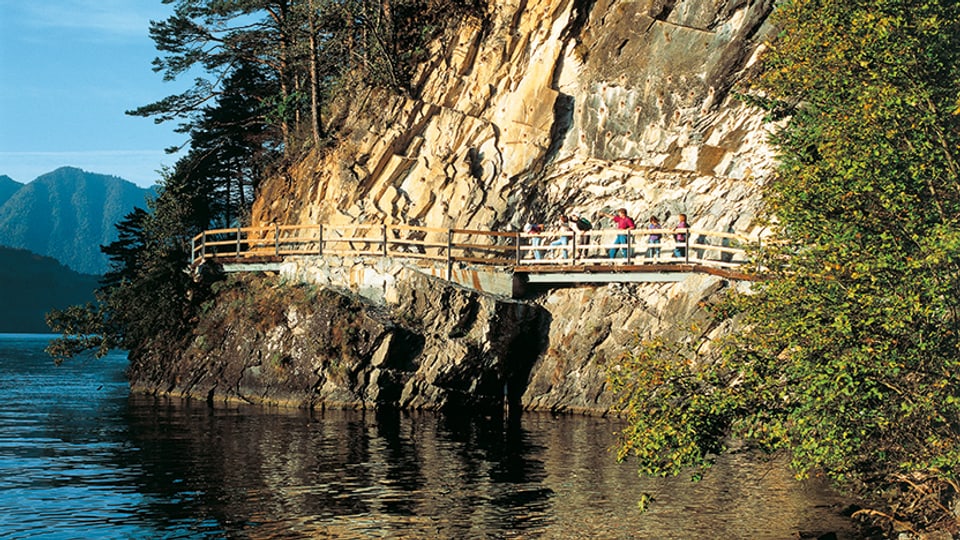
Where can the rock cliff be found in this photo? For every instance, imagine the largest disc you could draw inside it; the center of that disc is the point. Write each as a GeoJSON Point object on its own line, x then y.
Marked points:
{"type": "Point", "coordinates": [271, 342]}
{"type": "Point", "coordinates": [535, 109]}
{"type": "Point", "coordinates": [436, 346]}
{"type": "Point", "coordinates": [549, 106]}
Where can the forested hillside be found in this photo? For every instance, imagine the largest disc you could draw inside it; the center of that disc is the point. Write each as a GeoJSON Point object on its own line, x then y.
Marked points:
{"type": "Point", "coordinates": [31, 285]}
{"type": "Point", "coordinates": [68, 214]}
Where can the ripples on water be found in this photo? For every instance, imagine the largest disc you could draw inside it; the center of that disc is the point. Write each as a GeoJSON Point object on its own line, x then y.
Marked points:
{"type": "Point", "coordinates": [80, 458]}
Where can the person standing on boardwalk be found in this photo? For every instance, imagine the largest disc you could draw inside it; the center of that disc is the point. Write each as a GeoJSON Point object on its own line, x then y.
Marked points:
{"type": "Point", "coordinates": [564, 233]}
{"type": "Point", "coordinates": [580, 225]}
{"type": "Point", "coordinates": [680, 238]}
{"type": "Point", "coordinates": [535, 228]}
{"type": "Point", "coordinates": [624, 223]}
{"type": "Point", "coordinates": [654, 239]}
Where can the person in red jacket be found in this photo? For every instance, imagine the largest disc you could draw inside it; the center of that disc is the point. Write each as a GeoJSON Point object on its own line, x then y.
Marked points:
{"type": "Point", "coordinates": [624, 223]}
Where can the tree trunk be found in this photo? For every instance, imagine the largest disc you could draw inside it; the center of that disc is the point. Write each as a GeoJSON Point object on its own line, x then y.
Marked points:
{"type": "Point", "coordinates": [282, 19]}
{"type": "Point", "coordinates": [315, 120]}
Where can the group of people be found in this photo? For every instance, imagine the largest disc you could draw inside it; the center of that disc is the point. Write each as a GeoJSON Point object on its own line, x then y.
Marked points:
{"type": "Point", "coordinates": [574, 224]}
{"type": "Point", "coordinates": [567, 227]}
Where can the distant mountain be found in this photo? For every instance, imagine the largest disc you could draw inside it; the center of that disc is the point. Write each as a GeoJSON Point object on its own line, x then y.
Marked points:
{"type": "Point", "coordinates": [68, 214]}
{"type": "Point", "coordinates": [32, 285]}
{"type": "Point", "coordinates": [8, 186]}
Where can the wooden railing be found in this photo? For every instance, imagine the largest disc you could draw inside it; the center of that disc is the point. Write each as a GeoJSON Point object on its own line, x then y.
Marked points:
{"type": "Point", "coordinates": [710, 248]}
{"type": "Point", "coordinates": [597, 247]}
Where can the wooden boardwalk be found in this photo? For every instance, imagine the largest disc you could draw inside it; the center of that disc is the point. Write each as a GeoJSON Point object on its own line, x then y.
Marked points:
{"type": "Point", "coordinates": [597, 256]}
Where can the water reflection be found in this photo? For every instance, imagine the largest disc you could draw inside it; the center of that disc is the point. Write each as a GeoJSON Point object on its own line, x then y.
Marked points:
{"type": "Point", "coordinates": [80, 458]}
{"type": "Point", "coordinates": [276, 474]}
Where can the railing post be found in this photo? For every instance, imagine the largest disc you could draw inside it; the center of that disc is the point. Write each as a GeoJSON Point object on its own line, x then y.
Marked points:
{"type": "Point", "coordinates": [686, 246]}
{"type": "Point", "coordinates": [384, 240]}
{"type": "Point", "coordinates": [238, 240]}
{"type": "Point", "coordinates": [193, 249]}
{"type": "Point", "coordinates": [276, 239]}
{"type": "Point", "coordinates": [203, 246]}
{"type": "Point", "coordinates": [320, 242]}
{"type": "Point", "coordinates": [449, 254]}
{"type": "Point", "coordinates": [519, 252]}
{"type": "Point", "coordinates": [573, 246]}
{"type": "Point", "coordinates": [629, 253]}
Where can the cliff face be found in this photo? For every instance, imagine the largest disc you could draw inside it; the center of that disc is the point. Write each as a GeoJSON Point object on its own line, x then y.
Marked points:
{"type": "Point", "coordinates": [550, 106]}
{"type": "Point", "coordinates": [268, 342]}
{"type": "Point", "coordinates": [434, 346]}
{"type": "Point", "coordinates": [539, 108]}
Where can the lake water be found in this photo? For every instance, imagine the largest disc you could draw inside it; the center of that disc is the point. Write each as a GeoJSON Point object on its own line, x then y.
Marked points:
{"type": "Point", "coordinates": [82, 458]}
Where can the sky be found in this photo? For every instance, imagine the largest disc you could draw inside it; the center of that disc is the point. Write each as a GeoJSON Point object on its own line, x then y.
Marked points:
{"type": "Point", "coordinates": [69, 69]}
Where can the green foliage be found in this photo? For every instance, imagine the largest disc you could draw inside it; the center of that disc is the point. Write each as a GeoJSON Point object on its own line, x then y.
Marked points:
{"type": "Point", "coordinates": [849, 353]}
{"type": "Point", "coordinates": [232, 144]}
{"type": "Point", "coordinates": [677, 413]}
{"type": "Point", "coordinates": [124, 252]}
{"type": "Point", "coordinates": [83, 328]}
{"type": "Point", "coordinates": [148, 298]}
{"type": "Point", "coordinates": [301, 47]}
{"type": "Point", "coordinates": [265, 69]}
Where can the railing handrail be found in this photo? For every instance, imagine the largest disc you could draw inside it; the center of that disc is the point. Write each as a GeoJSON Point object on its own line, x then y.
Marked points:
{"type": "Point", "coordinates": [500, 248]}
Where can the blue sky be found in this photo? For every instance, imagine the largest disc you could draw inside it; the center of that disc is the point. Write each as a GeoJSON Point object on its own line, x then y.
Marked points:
{"type": "Point", "coordinates": [68, 71]}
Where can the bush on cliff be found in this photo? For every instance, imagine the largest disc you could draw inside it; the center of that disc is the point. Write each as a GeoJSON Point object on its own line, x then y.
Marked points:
{"type": "Point", "coordinates": [849, 354]}
{"type": "Point", "coordinates": [148, 298]}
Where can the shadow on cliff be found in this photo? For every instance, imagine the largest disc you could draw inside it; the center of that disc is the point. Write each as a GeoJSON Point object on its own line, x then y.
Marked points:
{"type": "Point", "coordinates": [564, 106]}
{"type": "Point", "coordinates": [492, 382]}
{"type": "Point", "coordinates": [528, 346]}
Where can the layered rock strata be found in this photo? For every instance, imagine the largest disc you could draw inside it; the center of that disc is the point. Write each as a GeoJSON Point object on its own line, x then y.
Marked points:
{"type": "Point", "coordinates": [549, 106]}
{"type": "Point", "coordinates": [428, 345]}
{"type": "Point", "coordinates": [268, 342]}
{"type": "Point", "coordinates": [535, 109]}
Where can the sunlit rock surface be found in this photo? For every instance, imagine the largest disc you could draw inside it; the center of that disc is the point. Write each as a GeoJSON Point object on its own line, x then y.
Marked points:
{"type": "Point", "coordinates": [536, 109]}
{"type": "Point", "coordinates": [548, 106]}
